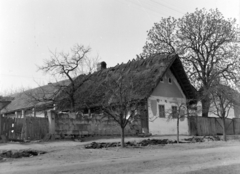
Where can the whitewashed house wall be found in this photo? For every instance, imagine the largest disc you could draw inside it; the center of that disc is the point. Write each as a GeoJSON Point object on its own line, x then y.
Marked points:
{"type": "Point", "coordinates": [167, 94]}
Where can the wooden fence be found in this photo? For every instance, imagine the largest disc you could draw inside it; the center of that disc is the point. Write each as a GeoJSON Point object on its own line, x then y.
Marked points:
{"type": "Point", "coordinates": [37, 127]}
{"type": "Point", "coordinates": [62, 124]}
{"type": "Point", "coordinates": [212, 126]}
{"type": "Point", "coordinates": [28, 128]}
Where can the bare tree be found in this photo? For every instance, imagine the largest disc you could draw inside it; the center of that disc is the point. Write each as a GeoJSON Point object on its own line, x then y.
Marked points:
{"type": "Point", "coordinates": [69, 66]}
{"type": "Point", "coordinates": [207, 43]}
{"type": "Point", "coordinates": [179, 110]}
{"type": "Point", "coordinates": [223, 99]}
{"type": "Point", "coordinates": [46, 93]}
{"type": "Point", "coordinates": [90, 64]}
{"type": "Point", "coordinates": [120, 102]}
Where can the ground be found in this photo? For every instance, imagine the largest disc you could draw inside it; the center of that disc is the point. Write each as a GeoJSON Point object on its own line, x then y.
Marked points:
{"type": "Point", "coordinates": [70, 157]}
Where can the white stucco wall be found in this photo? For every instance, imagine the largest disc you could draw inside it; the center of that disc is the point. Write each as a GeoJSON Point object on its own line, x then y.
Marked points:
{"type": "Point", "coordinates": [167, 94]}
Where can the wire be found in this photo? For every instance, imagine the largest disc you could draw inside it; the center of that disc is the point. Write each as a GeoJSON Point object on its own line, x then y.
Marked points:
{"type": "Point", "coordinates": [145, 9]}
{"type": "Point", "coordinates": [176, 10]}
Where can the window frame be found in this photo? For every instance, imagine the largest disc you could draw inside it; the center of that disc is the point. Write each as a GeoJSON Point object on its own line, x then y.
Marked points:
{"type": "Point", "coordinates": [174, 111]}
{"type": "Point", "coordinates": [170, 80]}
{"type": "Point", "coordinates": [161, 111]}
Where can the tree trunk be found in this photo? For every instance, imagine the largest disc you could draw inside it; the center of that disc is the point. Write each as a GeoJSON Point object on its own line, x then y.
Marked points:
{"type": "Point", "coordinates": [224, 129]}
{"type": "Point", "coordinates": [122, 137]}
{"type": "Point", "coordinates": [72, 104]}
{"type": "Point", "coordinates": [205, 106]}
{"type": "Point", "coordinates": [72, 99]}
{"type": "Point", "coordinates": [178, 129]}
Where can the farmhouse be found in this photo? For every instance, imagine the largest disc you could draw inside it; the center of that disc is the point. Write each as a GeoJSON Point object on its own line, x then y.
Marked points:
{"type": "Point", "coordinates": [160, 84]}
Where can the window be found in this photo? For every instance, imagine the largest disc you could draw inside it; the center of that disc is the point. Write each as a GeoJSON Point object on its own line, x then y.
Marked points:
{"type": "Point", "coordinates": [161, 111]}
{"type": "Point", "coordinates": [174, 112]}
{"type": "Point", "coordinates": [169, 80]}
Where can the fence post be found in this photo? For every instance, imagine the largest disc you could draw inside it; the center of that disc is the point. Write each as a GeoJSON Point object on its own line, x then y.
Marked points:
{"type": "Point", "coordinates": [233, 121]}
{"type": "Point", "coordinates": [1, 120]}
{"type": "Point", "coordinates": [51, 121]}
{"type": "Point", "coordinates": [33, 112]}
{"type": "Point", "coordinates": [189, 129]}
{"type": "Point", "coordinates": [24, 130]}
{"type": "Point", "coordinates": [215, 122]}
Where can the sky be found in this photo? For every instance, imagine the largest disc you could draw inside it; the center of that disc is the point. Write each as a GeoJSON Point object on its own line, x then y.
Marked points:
{"type": "Point", "coordinates": [116, 31]}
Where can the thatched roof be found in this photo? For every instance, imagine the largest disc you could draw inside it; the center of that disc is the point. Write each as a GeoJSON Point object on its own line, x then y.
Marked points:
{"type": "Point", "coordinates": [36, 97]}
{"type": "Point", "coordinates": [145, 73]}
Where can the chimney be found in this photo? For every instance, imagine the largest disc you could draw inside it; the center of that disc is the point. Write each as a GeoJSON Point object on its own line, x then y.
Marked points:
{"type": "Point", "coordinates": [101, 66]}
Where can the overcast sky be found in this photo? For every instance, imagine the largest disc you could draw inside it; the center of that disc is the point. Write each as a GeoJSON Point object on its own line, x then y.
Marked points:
{"type": "Point", "coordinates": [116, 30]}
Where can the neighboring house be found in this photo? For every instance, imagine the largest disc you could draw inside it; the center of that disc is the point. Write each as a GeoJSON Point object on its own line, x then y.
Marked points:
{"type": "Point", "coordinates": [32, 103]}
{"type": "Point", "coordinates": [235, 111]}
{"type": "Point", "coordinates": [161, 81]}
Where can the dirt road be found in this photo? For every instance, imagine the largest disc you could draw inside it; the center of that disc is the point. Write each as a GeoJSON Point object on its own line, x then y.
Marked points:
{"type": "Point", "coordinates": [71, 157]}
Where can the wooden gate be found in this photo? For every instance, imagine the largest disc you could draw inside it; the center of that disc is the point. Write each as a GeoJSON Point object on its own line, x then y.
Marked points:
{"type": "Point", "coordinates": [36, 128]}
{"type": "Point", "coordinates": [29, 128]}
{"type": "Point", "coordinates": [6, 126]}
